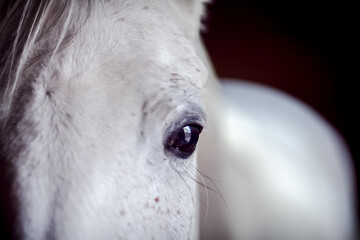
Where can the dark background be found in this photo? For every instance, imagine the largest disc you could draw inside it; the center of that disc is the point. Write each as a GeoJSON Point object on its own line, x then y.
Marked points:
{"type": "Point", "coordinates": [304, 48]}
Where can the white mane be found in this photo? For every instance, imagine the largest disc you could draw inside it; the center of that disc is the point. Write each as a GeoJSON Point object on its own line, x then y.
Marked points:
{"type": "Point", "coordinates": [33, 33]}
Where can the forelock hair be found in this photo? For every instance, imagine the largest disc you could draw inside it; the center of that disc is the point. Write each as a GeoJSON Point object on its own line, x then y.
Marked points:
{"type": "Point", "coordinates": [32, 33]}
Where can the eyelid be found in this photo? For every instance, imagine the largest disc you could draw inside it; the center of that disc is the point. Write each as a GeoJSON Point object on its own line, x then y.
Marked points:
{"type": "Point", "coordinates": [186, 118]}
{"type": "Point", "coordinates": [194, 114]}
{"type": "Point", "coordinates": [192, 120]}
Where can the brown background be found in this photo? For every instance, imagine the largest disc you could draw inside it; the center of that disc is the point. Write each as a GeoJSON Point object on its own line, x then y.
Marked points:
{"type": "Point", "coordinates": [305, 48]}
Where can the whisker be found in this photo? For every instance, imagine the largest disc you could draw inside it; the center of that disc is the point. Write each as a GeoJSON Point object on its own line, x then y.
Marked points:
{"type": "Point", "coordinates": [206, 192]}
{"type": "Point", "coordinates": [174, 168]}
{"type": "Point", "coordinates": [213, 181]}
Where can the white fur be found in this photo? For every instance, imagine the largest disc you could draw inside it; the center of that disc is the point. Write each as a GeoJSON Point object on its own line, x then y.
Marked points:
{"type": "Point", "coordinates": [89, 94]}
{"type": "Point", "coordinates": [94, 164]}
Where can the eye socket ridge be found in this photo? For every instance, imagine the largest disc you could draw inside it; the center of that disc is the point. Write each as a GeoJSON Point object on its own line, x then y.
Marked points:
{"type": "Point", "coordinates": [183, 140]}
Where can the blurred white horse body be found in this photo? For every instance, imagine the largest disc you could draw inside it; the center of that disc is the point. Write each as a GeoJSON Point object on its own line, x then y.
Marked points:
{"type": "Point", "coordinates": [101, 107]}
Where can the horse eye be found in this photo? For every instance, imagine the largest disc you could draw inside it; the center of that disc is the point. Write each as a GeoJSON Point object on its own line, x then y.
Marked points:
{"type": "Point", "coordinates": [182, 142]}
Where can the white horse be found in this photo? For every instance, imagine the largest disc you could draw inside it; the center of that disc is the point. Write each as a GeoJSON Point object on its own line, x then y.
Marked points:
{"type": "Point", "coordinates": [101, 111]}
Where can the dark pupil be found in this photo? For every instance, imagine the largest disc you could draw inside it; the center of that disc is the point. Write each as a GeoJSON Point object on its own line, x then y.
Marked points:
{"type": "Point", "coordinates": [185, 139]}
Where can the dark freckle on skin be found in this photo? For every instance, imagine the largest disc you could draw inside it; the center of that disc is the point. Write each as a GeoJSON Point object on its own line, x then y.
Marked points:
{"type": "Point", "coordinates": [133, 114]}
{"type": "Point", "coordinates": [49, 93]}
{"type": "Point", "coordinates": [144, 114]}
{"type": "Point", "coordinates": [68, 116]}
{"type": "Point", "coordinates": [121, 19]}
{"type": "Point", "coordinates": [197, 70]}
{"type": "Point", "coordinates": [175, 75]}
{"type": "Point", "coordinates": [145, 103]}
{"type": "Point", "coordinates": [145, 7]}
{"type": "Point", "coordinates": [157, 199]}
{"type": "Point", "coordinates": [142, 133]}
{"type": "Point", "coordinates": [122, 212]}
{"type": "Point", "coordinates": [178, 212]}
